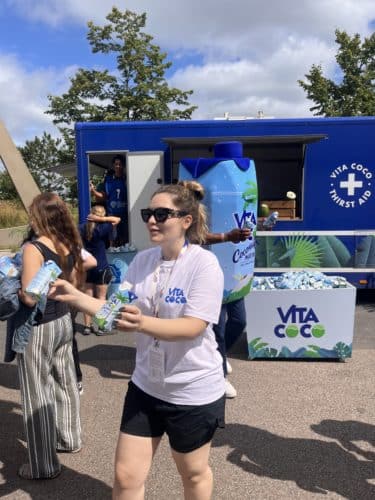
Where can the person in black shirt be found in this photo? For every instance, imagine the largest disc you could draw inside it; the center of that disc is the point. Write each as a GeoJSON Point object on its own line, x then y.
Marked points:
{"type": "Point", "coordinates": [50, 399]}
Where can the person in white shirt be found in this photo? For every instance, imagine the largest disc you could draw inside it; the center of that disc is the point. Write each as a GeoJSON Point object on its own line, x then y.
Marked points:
{"type": "Point", "coordinates": [177, 386]}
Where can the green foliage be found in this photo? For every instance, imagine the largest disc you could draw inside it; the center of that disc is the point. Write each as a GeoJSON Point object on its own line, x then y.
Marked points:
{"type": "Point", "coordinates": [7, 189]}
{"type": "Point", "coordinates": [309, 252]}
{"type": "Point", "coordinates": [12, 214]}
{"type": "Point", "coordinates": [355, 94]}
{"type": "Point", "coordinates": [259, 349]}
{"type": "Point", "coordinates": [343, 350]}
{"type": "Point", "coordinates": [138, 89]}
{"type": "Point", "coordinates": [40, 155]}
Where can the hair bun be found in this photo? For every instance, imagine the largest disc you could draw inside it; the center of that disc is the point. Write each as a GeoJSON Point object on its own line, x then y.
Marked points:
{"type": "Point", "coordinates": [194, 187]}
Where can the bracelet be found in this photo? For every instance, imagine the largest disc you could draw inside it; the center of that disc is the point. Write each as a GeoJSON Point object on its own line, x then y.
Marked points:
{"type": "Point", "coordinates": [222, 237]}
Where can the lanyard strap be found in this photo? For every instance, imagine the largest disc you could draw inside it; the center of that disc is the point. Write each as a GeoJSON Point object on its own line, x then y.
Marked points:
{"type": "Point", "coordinates": [157, 294]}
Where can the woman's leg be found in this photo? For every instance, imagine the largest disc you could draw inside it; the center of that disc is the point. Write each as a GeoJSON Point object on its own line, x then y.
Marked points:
{"type": "Point", "coordinates": [195, 472]}
{"type": "Point", "coordinates": [101, 292]}
{"type": "Point", "coordinates": [68, 424]}
{"type": "Point", "coordinates": [219, 331]}
{"type": "Point", "coordinates": [75, 351]}
{"type": "Point", "coordinates": [236, 322]}
{"type": "Point", "coordinates": [89, 290]}
{"type": "Point", "coordinates": [38, 406]}
{"type": "Point", "coordinates": [133, 460]}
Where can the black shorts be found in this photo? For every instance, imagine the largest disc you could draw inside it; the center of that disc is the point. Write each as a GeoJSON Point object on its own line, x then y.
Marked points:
{"type": "Point", "coordinates": [99, 276]}
{"type": "Point", "coordinates": [188, 427]}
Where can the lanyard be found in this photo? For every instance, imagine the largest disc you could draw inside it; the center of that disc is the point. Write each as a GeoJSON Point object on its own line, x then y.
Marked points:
{"type": "Point", "coordinates": [158, 294]}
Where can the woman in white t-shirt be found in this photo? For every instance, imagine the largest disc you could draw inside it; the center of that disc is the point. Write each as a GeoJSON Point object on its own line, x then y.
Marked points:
{"type": "Point", "coordinates": [177, 386]}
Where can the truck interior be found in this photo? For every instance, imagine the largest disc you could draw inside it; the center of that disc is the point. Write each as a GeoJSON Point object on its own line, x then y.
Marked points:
{"type": "Point", "coordinates": [279, 163]}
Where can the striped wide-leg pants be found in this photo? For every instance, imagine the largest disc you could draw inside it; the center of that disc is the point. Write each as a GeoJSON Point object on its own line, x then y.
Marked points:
{"type": "Point", "coordinates": [50, 399]}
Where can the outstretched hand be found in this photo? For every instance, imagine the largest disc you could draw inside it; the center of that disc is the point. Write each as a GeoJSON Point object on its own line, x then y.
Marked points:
{"type": "Point", "coordinates": [129, 319]}
{"type": "Point", "coordinates": [236, 235]}
{"type": "Point", "coordinates": [63, 291]}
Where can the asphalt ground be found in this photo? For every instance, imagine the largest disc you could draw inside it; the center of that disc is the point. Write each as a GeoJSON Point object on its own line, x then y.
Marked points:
{"type": "Point", "coordinates": [297, 429]}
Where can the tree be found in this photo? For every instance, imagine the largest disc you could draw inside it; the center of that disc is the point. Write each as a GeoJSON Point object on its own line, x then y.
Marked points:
{"type": "Point", "coordinates": [137, 91]}
{"type": "Point", "coordinates": [355, 94]}
{"type": "Point", "coordinates": [41, 155]}
{"type": "Point", "coordinates": [7, 189]}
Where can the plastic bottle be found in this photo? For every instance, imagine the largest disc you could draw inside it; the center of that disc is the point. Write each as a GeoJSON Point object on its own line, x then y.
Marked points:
{"type": "Point", "coordinates": [271, 219]}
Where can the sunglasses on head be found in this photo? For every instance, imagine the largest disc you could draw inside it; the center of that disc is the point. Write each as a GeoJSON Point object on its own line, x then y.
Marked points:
{"type": "Point", "coordinates": [161, 214]}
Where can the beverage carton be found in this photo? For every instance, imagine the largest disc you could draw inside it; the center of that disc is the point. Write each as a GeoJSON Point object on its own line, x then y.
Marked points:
{"type": "Point", "coordinates": [8, 268]}
{"type": "Point", "coordinates": [231, 198]}
{"type": "Point", "coordinates": [104, 318]}
{"type": "Point", "coordinates": [46, 275]}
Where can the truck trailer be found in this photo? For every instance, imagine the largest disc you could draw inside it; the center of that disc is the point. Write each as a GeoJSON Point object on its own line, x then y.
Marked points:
{"type": "Point", "coordinates": [327, 163]}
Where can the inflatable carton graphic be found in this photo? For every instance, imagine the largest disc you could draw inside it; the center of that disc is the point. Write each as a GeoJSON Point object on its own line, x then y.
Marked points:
{"type": "Point", "coordinates": [231, 200]}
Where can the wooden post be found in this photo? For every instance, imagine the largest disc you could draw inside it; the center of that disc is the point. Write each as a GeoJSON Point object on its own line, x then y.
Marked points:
{"type": "Point", "coordinates": [12, 159]}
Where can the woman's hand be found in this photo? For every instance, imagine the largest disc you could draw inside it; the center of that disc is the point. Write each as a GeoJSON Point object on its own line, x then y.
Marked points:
{"type": "Point", "coordinates": [236, 235]}
{"type": "Point", "coordinates": [63, 291]}
{"type": "Point", "coordinates": [94, 218]}
{"type": "Point", "coordinates": [129, 319]}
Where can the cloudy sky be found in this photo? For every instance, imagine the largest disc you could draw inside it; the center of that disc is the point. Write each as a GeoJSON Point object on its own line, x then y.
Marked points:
{"type": "Point", "coordinates": [239, 56]}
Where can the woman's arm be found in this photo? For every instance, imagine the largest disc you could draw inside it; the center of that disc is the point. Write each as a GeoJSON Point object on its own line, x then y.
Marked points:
{"type": "Point", "coordinates": [234, 235]}
{"type": "Point", "coordinates": [99, 195]}
{"type": "Point", "coordinates": [104, 218]}
{"type": "Point", "coordinates": [32, 261]}
{"type": "Point", "coordinates": [63, 291]}
{"type": "Point", "coordinates": [88, 259]}
{"type": "Point", "coordinates": [131, 319]}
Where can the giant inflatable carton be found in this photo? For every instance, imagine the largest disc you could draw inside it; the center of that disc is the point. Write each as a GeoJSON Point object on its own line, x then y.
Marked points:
{"type": "Point", "coordinates": [231, 199]}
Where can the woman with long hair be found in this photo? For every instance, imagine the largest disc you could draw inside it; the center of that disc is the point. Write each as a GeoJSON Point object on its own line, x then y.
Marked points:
{"type": "Point", "coordinates": [177, 386]}
{"type": "Point", "coordinates": [50, 399]}
{"type": "Point", "coordinates": [96, 234]}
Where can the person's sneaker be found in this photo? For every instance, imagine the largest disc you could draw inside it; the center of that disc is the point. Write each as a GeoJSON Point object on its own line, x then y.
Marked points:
{"type": "Point", "coordinates": [76, 450]}
{"type": "Point", "coordinates": [230, 391]}
{"type": "Point", "coordinates": [80, 388]}
{"type": "Point", "coordinates": [229, 367]}
{"type": "Point", "coordinates": [86, 330]}
{"type": "Point", "coordinates": [100, 332]}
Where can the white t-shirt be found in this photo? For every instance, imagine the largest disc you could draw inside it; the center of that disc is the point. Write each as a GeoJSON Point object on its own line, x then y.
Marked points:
{"type": "Point", "coordinates": [192, 286]}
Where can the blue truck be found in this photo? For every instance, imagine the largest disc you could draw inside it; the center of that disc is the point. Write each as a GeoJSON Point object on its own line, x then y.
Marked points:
{"type": "Point", "coordinates": [327, 163]}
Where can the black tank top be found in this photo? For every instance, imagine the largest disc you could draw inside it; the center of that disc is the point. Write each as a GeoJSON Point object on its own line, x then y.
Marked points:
{"type": "Point", "coordinates": [54, 309]}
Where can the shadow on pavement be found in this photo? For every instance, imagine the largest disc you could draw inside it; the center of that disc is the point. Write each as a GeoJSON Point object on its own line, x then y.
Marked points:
{"type": "Point", "coordinates": [70, 484]}
{"type": "Point", "coordinates": [313, 465]}
{"type": "Point", "coordinates": [107, 358]}
{"type": "Point", "coordinates": [366, 298]}
{"type": "Point", "coordinates": [9, 376]}
{"type": "Point", "coordinates": [348, 432]}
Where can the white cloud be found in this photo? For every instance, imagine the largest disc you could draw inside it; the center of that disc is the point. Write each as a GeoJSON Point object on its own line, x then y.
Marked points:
{"type": "Point", "coordinates": [23, 98]}
{"type": "Point", "coordinates": [244, 87]}
{"type": "Point", "coordinates": [252, 52]}
{"type": "Point", "coordinates": [226, 25]}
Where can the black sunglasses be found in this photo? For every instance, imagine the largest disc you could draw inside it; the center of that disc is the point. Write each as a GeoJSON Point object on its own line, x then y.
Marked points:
{"type": "Point", "coordinates": [161, 214]}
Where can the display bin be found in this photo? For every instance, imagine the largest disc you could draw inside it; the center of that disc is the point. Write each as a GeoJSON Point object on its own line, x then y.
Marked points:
{"type": "Point", "coordinates": [119, 263]}
{"type": "Point", "coordinates": [300, 323]}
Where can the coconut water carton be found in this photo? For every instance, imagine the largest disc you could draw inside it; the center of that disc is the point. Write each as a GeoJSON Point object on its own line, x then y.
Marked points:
{"type": "Point", "coordinates": [9, 267]}
{"type": "Point", "coordinates": [104, 318]}
{"type": "Point", "coordinates": [46, 275]}
{"type": "Point", "coordinates": [231, 197]}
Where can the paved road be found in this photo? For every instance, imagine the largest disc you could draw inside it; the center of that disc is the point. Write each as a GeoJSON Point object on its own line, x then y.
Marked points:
{"type": "Point", "coordinates": [296, 429]}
